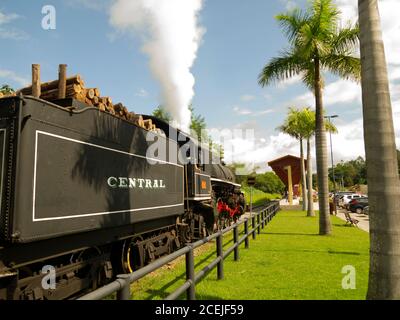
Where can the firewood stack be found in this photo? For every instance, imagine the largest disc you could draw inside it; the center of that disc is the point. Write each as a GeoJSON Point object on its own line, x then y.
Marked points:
{"type": "Point", "coordinates": [75, 88]}
{"type": "Point", "coordinates": [3, 95]}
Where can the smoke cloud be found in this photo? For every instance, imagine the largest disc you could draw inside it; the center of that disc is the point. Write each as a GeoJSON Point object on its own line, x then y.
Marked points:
{"type": "Point", "coordinates": [171, 37]}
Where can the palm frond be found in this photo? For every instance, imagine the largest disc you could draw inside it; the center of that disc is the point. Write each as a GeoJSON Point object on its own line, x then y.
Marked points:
{"type": "Point", "coordinates": [292, 22]}
{"type": "Point", "coordinates": [325, 17]}
{"type": "Point", "coordinates": [280, 68]}
{"type": "Point", "coordinates": [345, 66]}
{"type": "Point", "coordinates": [346, 39]}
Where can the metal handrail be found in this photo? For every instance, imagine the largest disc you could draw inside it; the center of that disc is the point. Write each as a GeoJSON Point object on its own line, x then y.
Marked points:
{"type": "Point", "coordinates": [122, 284]}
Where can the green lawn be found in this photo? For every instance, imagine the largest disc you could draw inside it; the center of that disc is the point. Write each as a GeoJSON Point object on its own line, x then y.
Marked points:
{"type": "Point", "coordinates": [288, 260]}
{"type": "Point", "coordinates": [259, 197]}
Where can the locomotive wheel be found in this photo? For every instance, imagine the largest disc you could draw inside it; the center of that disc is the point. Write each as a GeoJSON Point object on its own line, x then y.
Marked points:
{"type": "Point", "coordinates": [130, 258]}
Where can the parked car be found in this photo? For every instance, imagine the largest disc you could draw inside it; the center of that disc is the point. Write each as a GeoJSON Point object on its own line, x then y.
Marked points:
{"type": "Point", "coordinates": [366, 210]}
{"type": "Point", "coordinates": [357, 205]}
{"type": "Point", "coordinates": [339, 196]}
{"type": "Point", "coordinates": [347, 198]}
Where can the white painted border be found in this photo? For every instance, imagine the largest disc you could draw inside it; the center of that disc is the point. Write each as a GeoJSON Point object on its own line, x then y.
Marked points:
{"type": "Point", "coordinates": [96, 213]}
{"type": "Point", "coordinates": [2, 167]}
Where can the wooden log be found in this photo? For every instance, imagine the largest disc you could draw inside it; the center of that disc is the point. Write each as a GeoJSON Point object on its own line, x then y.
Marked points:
{"type": "Point", "coordinates": [36, 88]}
{"type": "Point", "coordinates": [148, 123]}
{"type": "Point", "coordinates": [118, 107]}
{"type": "Point", "coordinates": [96, 92]}
{"type": "Point", "coordinates": [95, 100]}
{"type": "Point", "coordinates": [103, 100]}
{"type": "Point", "coordinates": [88, 101]}
{"type": "Point", "coordinates": [62, 81]}
{"type": "Point", "coordinates": [90, 93]}
{"type": "Point", "coordinates": [71, 91]}
{"type": "Point", "coordinates": [53, 85]}
{"type": "Point", "coordinates": [140, 121]}
{"type": "Point", "coordinates": [101, 106]}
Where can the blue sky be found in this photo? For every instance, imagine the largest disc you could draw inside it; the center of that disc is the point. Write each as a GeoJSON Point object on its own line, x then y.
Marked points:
{"type": "Point", "coordinates": [241, 36]}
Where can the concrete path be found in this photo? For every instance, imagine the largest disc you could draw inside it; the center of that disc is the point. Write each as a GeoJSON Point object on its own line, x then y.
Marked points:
{"type": "Point", "coordinates": [363, 220]}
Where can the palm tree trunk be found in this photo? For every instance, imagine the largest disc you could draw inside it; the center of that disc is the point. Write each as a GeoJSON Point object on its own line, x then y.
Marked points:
{"type": "Point", "coordinates": [380, 152]}
{"type": "Point", "coordinates": [310, 208]}
{"type": "Point", "coordinates": [303, 177]}
{"type": "Point", "coordinates": [321, 156]}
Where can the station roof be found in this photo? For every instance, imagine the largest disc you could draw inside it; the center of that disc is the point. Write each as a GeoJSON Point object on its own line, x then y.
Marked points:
{"type": "Point", "coordinates": [278, 165]}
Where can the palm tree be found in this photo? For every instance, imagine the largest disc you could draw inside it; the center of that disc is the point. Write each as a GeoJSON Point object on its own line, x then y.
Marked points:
{"type": "Point", "coordinates": [291, 126]}
{"type": "Point", "coordinates": [316, 43]}
{"type": "Point", "coordinates": [306, 118]}
{"type": "Point", "coordinates": [380, 152]}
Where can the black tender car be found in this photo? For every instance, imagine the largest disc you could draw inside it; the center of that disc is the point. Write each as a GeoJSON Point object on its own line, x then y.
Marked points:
{"type": "Point", "coordinates": [357, 205]}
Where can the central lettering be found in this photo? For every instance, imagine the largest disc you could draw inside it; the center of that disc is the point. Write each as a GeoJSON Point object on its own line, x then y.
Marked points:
{"type": "Point", "coordinates": [132, 183]}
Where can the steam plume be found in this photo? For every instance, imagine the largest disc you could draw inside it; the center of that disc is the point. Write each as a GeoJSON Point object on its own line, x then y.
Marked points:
{"type": "Point", "coordinates": [171, 37]}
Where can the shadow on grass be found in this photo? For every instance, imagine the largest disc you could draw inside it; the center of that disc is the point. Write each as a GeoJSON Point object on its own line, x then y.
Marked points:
{"type": "Point", "coordinates": [290, 234]}
{"type": "Point", "coordinates": [342, 225]}
{"type": "Point", "coordinates": [345, 252]}
{"type": "Point", "coordinates": [161, 292]}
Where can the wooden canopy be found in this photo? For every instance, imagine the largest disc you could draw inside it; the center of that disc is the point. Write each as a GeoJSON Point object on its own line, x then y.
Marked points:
{"type": "Point", "coordinates": [278, 165]}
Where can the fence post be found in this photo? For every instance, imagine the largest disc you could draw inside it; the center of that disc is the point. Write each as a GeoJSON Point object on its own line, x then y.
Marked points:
{"type": "Point", "coordinates": [253, 224]}
{"type": "Point", "coordinates": [262, 219]}
{"type": "Point", "coordinates": [125, 292]}
{"type": "Point", "coordinates": [220, 253]}
{"type": "Point", "coordinates": [246, 231]}
{"type": "Point", "coordinates": [258, 223]}
{"type": "Point", "coordinates": [191, 292]}
{"type": "Point", "coordinates": [235, 240]}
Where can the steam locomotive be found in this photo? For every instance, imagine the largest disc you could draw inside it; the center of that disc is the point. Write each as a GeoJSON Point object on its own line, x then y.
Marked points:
{"type": "Point", "coordinates": [85, 194]}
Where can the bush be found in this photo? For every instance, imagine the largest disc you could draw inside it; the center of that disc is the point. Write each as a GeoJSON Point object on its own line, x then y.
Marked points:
{"type": "Point", "coordinates": [269, 182]}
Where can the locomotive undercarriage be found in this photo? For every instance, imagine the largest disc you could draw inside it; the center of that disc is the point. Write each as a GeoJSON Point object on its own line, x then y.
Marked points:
{"type": "Point", "coordinates": [86, 270]}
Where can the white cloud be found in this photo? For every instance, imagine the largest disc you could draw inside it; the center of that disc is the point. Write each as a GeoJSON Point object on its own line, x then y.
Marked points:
{"type": "Point", "coordinates": [266, 111]}
{"type": "Point", "coordinates": [12, 76]}
{"type": "Point", "coordinates": [241, 111]}
{"type": "Point", "coordinates": [6, 18]}
{"type": "Point", "coordinates": [10, 32]}
{"type": "Point", "coordinates": [289, 4]}
{"type": "Point", "coordinates": [390, 24]}
{"type": "Point", "coordinates": [289, 82]}
{"type": "Point", "coordinates": [338, 92]}
{"type": "Point", "coordinates": [142, 93]}
{"type": "Point", "coordinates": [247, 97]}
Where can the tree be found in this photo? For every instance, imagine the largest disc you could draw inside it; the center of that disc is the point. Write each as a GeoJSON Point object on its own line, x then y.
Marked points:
{"type": "Point", "coordinates": [198, 125]}
{"type": "Point", "coordinates": [269, 182]}
{"type": "Point", "coordinates": [306, 128]}
{"type": "Point", "coordinates": [316, 43]}
{"type": "Point", "coordinates": [162, 114]}
{"type": "Point", "coordinates": [380, 152]}
{"type": "Point", "coordinates": [398, 160]}
{"type": "Point", "coordinates": [292, 127]}
{"type": "Point", "coordinates": [5, 89]}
